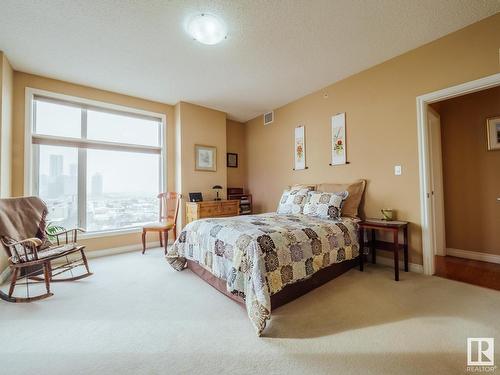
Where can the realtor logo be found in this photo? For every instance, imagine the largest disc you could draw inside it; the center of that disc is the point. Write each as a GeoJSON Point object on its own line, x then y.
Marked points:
{"type": "Point", "coordinates": [480, 351]}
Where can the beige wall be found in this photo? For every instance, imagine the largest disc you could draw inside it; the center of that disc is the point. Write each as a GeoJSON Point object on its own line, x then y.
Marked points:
{"type": "Point", "coordinates": [471, 173]}
{"type": "Point", "coordinates": [23, 80]}
{"type": "Point", "coordinates": [381, 125]}
{"type": "Point", "coordinates": [204, 126]}
{"type": "Point", "coordinates": [6, 93]}
{"type": "Point", "coordinates": [235, 137]}
{"type": "Point", "coordinates": [6, 105]}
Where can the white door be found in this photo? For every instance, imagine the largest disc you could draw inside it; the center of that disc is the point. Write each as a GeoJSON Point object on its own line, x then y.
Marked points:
{"type": "Point", "coordinates": [437, 191]}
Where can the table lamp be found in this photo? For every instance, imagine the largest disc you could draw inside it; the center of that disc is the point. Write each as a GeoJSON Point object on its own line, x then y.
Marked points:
{"type": "Point", "coordinates": [217, 188]}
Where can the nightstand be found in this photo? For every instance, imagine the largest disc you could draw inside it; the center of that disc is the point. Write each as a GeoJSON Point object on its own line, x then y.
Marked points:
{"type": "Point", "coordinates": [394, 227]}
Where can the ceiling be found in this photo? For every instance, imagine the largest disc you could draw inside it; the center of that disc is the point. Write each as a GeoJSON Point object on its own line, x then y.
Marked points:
{"type": "Point", "coordinates": [276, 51]}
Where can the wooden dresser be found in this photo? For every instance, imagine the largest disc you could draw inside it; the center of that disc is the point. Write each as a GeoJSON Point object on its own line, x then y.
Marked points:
{"type": "Point", "coordinates": [200, 210]}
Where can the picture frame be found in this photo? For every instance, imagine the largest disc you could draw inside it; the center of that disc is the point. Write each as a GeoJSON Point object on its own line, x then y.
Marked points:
{"type": "Point", "coordinates": [299, 148]}
{"type": "Point", "coordinates": [338, 140]}
{"type": "Point", "coordinates": [493, 133]}
{"type": "Point", "coordinates": [205, 158]}
{"type": "Point", "coordinates": [232, 160]}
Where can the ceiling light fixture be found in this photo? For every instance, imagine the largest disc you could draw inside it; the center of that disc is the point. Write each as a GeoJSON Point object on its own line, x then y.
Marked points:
{"type": "Point", "coordinates": [207, 29]}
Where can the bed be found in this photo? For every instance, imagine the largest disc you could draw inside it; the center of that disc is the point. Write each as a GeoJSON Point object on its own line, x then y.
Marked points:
{"type": "Point", "coordinates": [266, 260]}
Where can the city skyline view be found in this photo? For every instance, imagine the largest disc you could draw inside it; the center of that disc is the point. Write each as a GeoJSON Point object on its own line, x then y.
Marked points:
{"type": "Point", "coordinates": [106, 209]}
{"type": "Point", "coordinates": [120, 186]}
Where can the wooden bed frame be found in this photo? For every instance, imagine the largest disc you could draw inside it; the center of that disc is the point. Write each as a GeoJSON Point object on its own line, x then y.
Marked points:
{"type": "Point", "coordinates": [289, 292]}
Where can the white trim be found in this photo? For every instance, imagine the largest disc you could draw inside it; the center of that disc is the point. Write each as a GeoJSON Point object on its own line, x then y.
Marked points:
{"type": "Point", "coordinates": [94, 103]}
{"type": "Point", "coordinates": [424, 170]}
{"type": "Point", "coordinates": [28, 131]}
{"type": "Point", "coordinates": [107, 233]}
{"type": "Point", "coordinates": [413, 267]}
{"type": "Point", "coordinates": [426, 211]}
{"type": "Point", "coordinates": [476, 255]}
{"type": "Point", "coordinates": [90, 143]}
{"type": "Point", "coordinates": [436, 181]}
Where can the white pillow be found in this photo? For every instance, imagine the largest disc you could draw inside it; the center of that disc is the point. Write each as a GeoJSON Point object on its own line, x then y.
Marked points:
{"type": "Point", "coordinates": [325, 205]}
{"type": "Point", "coordinates": [292, 201]}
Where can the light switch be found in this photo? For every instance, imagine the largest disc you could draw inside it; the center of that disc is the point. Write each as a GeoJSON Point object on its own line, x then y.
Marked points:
{"type": "Point", "coordinates": [397, 170]}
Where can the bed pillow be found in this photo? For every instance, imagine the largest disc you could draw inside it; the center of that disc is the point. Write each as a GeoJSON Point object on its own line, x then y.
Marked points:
{"type": "Point", "coordinates": [303, 186]}
{"type": "Point", "coordinates": [292, 201]}
{"type": "Point", "coordinates": [325, 205]}
{"type": "Point", "coordinates": [351, 204]}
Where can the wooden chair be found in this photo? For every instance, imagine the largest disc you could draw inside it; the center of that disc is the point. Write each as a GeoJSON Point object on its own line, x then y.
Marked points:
{"type": "Point", "coordinates": [26, 262]}
{"type": "Point", "coordinates": [31, 257]}
{"type": "Point", "coordinates": [19, 265]}
{"type": "Point", "coordinates": [169, 208]}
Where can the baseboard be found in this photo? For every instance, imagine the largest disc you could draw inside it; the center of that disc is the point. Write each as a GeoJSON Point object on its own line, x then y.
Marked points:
{"type": "Point", "coordinates": [484, 257]}
{"type": "Point", "coordinates": [413, 267]}
{"type": "Point", "coordinates": [5, 274]}
{"type": "Point", "coordinates": [119, 250]}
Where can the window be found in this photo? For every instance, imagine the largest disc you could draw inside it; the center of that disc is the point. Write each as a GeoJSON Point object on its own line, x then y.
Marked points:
{"type": "Point", "coordinates": [96, 166]}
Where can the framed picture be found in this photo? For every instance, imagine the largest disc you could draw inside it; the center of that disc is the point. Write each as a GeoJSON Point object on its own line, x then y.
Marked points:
{"type": "Point", "coordinates": [205, 158]}
{"type": "Point", "coordinates": [300, 148]}
{"type": "Point", "coordinates": [493, 131]}
{"type": "Point", "coordinates": [232, 160]}
{"type": "Point", "coordinates": [338, 139]}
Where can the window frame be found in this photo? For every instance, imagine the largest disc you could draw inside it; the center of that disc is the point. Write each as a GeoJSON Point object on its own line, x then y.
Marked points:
{"type": "Point", "coordinates": [31, 139]}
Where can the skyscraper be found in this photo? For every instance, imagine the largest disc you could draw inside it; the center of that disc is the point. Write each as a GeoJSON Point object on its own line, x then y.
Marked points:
{"type": "Point", "coordinates": [56, 179]}
{"type": "Point", "coordinates": [97, 185]}
{"type": "Point", "coordinates": [56, 165]}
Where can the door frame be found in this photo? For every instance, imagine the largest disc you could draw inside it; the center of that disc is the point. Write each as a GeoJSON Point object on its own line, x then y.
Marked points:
{"type": "Point", "coordinates": [436, 181]}
{"type": "Point", "coordinates": [426, 209]}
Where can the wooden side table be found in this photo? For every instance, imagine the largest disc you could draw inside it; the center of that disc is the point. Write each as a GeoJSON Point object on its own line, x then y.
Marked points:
{"type": "Point", "coordinates": [386, 226]}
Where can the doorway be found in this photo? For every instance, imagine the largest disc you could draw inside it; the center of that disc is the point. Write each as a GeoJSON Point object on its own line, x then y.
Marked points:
{"type": "Point", "coordinates": [431, 193]}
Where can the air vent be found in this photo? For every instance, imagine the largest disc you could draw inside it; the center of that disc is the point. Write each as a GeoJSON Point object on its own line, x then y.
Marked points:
{"type": "Point", "coordinates": [268, 118]}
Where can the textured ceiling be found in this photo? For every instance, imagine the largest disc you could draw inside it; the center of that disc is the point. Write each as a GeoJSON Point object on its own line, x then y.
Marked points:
{"type": "Point", "coordinates": [276, 51]}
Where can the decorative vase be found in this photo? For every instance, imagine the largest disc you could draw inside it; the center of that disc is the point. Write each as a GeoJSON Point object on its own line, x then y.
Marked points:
{"type": "Point", "coordinates": [387, 214]}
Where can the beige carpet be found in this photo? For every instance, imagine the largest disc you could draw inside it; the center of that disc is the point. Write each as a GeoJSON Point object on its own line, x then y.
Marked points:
{"type": "Point", "coordinates": [138, 316]}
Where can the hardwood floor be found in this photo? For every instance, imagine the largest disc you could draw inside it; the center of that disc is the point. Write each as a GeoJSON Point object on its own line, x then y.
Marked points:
{"type": "Point", "coordinates": [469, 271]}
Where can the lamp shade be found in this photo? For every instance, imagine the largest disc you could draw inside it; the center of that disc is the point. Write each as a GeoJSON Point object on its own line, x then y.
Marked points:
{"type": "Point", "coordinates": [216, 187]}
{"type": "Point", "coordinates": [207, 29]}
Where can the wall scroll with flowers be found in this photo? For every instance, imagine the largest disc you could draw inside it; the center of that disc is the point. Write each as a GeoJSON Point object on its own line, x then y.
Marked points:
{"type": "Point", "coordinates": [338, 139]}
{"type": "Point", "coordinates": [300, 148]}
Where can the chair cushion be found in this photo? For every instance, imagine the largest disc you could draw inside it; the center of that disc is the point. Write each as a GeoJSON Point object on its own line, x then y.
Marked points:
{"type": "Point", "coordinates": [159, 225]}
{"type": "Point", "coordinates": [48, 253]}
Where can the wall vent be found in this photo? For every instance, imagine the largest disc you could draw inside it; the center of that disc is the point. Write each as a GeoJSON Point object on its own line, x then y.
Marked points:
{"type": "Point", "coordinates": [268, 118]}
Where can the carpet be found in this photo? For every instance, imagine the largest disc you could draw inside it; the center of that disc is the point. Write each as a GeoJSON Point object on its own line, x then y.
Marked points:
{"type": "Point", "coordinates": [136, 315]}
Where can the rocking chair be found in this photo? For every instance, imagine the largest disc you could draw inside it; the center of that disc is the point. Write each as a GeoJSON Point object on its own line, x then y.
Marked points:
{"type": "Point", "coordinates": [28, 258]}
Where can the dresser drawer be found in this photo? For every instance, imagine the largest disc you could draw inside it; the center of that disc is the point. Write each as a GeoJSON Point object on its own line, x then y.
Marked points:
{"type": "Point", "coordinates": [210, 210]}
{"type": "Point", "coordinates": [219, 209]}
{"type": "Point", "coordinates": [230, 208]}
{"type": "Point", "coordinates": [200, 210]}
